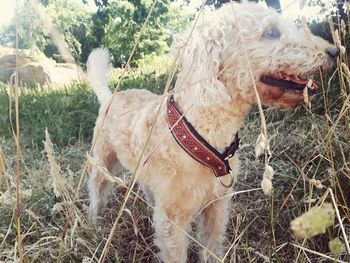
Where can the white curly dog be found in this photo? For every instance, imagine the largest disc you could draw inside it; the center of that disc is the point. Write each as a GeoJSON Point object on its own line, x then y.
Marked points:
{"type": "Point", "coordinates": [214, 91]}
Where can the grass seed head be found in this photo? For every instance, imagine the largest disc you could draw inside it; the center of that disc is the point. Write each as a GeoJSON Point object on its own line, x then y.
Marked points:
{"type": "Point", "coordinates": [337, 42]}
{"type": "Point", "coordinates": [316, 183]}
{"type": "Point", "coordinates": [307, 100]}
{"type": "Point", "coordinates": [260, 145]}
{"type": "Point", "coordinates": [58, 181]}
{"type": "Point", "coordinates": [343, 27]}
{"type": "Point", "coordinates": [313, 222]}
{"type": "Point", "coordinates": [345, 69]}
{"type": "Point", "coordinates": [336, 246]}
{"type": "Point", "coordinates": [2, 163]}
{"type": "Point", "coordinates": [266, 183]}
{"type": "Point", "coordinates": [269, 172]}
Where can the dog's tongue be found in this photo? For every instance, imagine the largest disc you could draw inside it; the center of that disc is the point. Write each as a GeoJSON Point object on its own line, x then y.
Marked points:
{"type": "Point", "coordinates": [297, 80]}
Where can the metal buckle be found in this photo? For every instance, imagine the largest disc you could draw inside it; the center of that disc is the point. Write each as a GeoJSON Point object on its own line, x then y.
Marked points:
{"type": "Point", "coordinates": [232, 177]}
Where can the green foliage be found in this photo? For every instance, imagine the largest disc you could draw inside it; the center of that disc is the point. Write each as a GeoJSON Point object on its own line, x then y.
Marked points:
{"type": "Point", "coordinates": [120, 22]}
{"type": "Point", "coordinates": [70, 17]}
{"type": "Point", "coordinates": [4, 111]}
{"type": "Point", "coordinates": [73, 21]}
{"type": "Point", "coordinates": [151, 74]}
{"type": "Point", "coordinates": [116, 25]}
{"type": "Point", "coordinates": [137, 80]}
{"type": "Point", "coordinates": [152, 63]}
{"type": "Point", "coordinates": [30, 31]}
{"type": "Point", "coordinates": [69, 114]}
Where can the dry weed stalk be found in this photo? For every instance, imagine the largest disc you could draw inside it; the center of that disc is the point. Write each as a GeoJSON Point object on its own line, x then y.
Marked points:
{"type": "Point", "coordinates": [262, 144]}
{"type": "Point", "coordinates": [318, 253]}
{"type": "Point", "coordinates": [137, 170]}
{"type": "Point", "coordinates": [62, 187]}
{"type": "Point", "coordinates": [340, 221]}
{"type": "Point", "coordinates": [142, 157]}
{"type": "Point", "coordinates": [55, 34]}
{"type": "Point", "coordinates": [18, 150]}
{"type": "Point", "coordinates": [2, 163]}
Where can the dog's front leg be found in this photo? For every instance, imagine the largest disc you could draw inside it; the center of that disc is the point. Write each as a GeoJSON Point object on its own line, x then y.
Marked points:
{"type": "Point", "coordinates": [211, 225]}
{"type": "Point", "coordinates": [170, 238]}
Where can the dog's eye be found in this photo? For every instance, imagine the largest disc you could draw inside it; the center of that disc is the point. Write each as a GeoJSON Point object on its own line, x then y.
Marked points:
{"type": "Point", "coordinates": [272, 33]}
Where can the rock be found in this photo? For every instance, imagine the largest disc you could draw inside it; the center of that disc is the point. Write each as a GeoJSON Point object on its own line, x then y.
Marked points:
{"type": "Point", "coordinates": [61, 74]}
{"type": "Point", "coordinates": [35, 69]}
{"type": "Point", "coordinates": [34, 74]}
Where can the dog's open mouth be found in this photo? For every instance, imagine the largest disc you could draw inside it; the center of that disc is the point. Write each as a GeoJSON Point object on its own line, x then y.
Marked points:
{"type": "Point", "coordinates": [289, 82]}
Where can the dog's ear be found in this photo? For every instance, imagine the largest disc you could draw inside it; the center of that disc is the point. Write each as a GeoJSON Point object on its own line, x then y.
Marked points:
{"type": "Point", "coordinates": [200, 57]}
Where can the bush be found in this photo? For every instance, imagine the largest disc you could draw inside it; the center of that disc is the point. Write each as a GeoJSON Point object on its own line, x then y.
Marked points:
{"type": "Point", "coordinates": [152, 74]}
{"type": "Point", "coordinates": [137, 80]}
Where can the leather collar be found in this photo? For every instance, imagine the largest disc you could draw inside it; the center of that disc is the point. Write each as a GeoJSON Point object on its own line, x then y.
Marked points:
{"type": "Point", "coordinates": [195, 145]}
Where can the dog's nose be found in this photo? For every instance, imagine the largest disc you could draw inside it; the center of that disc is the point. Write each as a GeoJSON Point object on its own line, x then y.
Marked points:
{"type": "Point", "coordinates": [333, 52]}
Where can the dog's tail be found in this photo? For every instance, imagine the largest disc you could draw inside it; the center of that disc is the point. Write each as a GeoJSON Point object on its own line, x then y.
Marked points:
{"type": "Point", "coordinates": [97, 70]}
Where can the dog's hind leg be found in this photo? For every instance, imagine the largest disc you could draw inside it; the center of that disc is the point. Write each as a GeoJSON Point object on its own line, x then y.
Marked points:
{"type": "Point", "coordinates": [99, 186]}
{"type": "Point", "coordinates": [211, 225]}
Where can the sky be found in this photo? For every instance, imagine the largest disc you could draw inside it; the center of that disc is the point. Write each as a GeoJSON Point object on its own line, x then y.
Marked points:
{"type": "Point", "coordinates": [290, 9]}
{"type": "Point", "coordinates": [7, 9]}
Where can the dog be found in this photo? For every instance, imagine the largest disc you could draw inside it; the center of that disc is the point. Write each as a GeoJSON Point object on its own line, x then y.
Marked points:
{"type": "Point", "coordinates": [229, 51]}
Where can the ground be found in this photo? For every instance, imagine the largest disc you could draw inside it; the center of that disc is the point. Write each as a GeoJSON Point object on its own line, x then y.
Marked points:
{"type": "Point", "coordinates": [259, 228]}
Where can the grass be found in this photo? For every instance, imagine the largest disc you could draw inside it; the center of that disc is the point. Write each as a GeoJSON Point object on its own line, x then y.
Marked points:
{"type": "Point", "coordinates": [44, 215]}
{"type": "Point", "coordinates": [68, 113]}
{"type": "Point", "coordinates": [306, 145]}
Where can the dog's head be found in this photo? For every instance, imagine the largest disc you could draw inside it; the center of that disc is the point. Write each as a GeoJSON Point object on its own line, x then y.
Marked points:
{"type": "Point", "coordinates": [281, 58]}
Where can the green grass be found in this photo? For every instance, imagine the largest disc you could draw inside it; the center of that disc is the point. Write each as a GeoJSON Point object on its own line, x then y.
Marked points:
{"type": "Point", "coordinates": [68, 113]}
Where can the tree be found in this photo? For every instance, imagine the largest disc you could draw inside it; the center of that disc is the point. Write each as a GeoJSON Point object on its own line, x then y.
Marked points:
{"type": "Point", "coordinates": [217, 3]}
{"type": "Point", "coordinates": [30, 30]}
{"type": "Point", "coordinates": [73, 21]}
{"type": "Point", "coordinates": [117, 24]}
{"type": "Point", "coordinates": [70, 17]}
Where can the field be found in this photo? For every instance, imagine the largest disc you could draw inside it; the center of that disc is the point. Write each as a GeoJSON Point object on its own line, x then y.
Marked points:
{"type": "Point", "coordinates": [310, 154]}
{"type": "Point", "coordinates": [44, 203]}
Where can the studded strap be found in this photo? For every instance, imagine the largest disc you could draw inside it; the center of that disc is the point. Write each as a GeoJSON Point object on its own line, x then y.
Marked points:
{"type": "Point", "coordinates": [195, 145]}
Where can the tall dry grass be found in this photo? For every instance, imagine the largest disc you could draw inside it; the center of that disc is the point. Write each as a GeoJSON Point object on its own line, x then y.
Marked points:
{"type": "Point", "coordinates": [310, 153]}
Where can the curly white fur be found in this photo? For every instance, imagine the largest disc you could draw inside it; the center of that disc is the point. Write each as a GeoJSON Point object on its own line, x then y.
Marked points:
{"type": "Point", "coordinates": [216, 85]}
